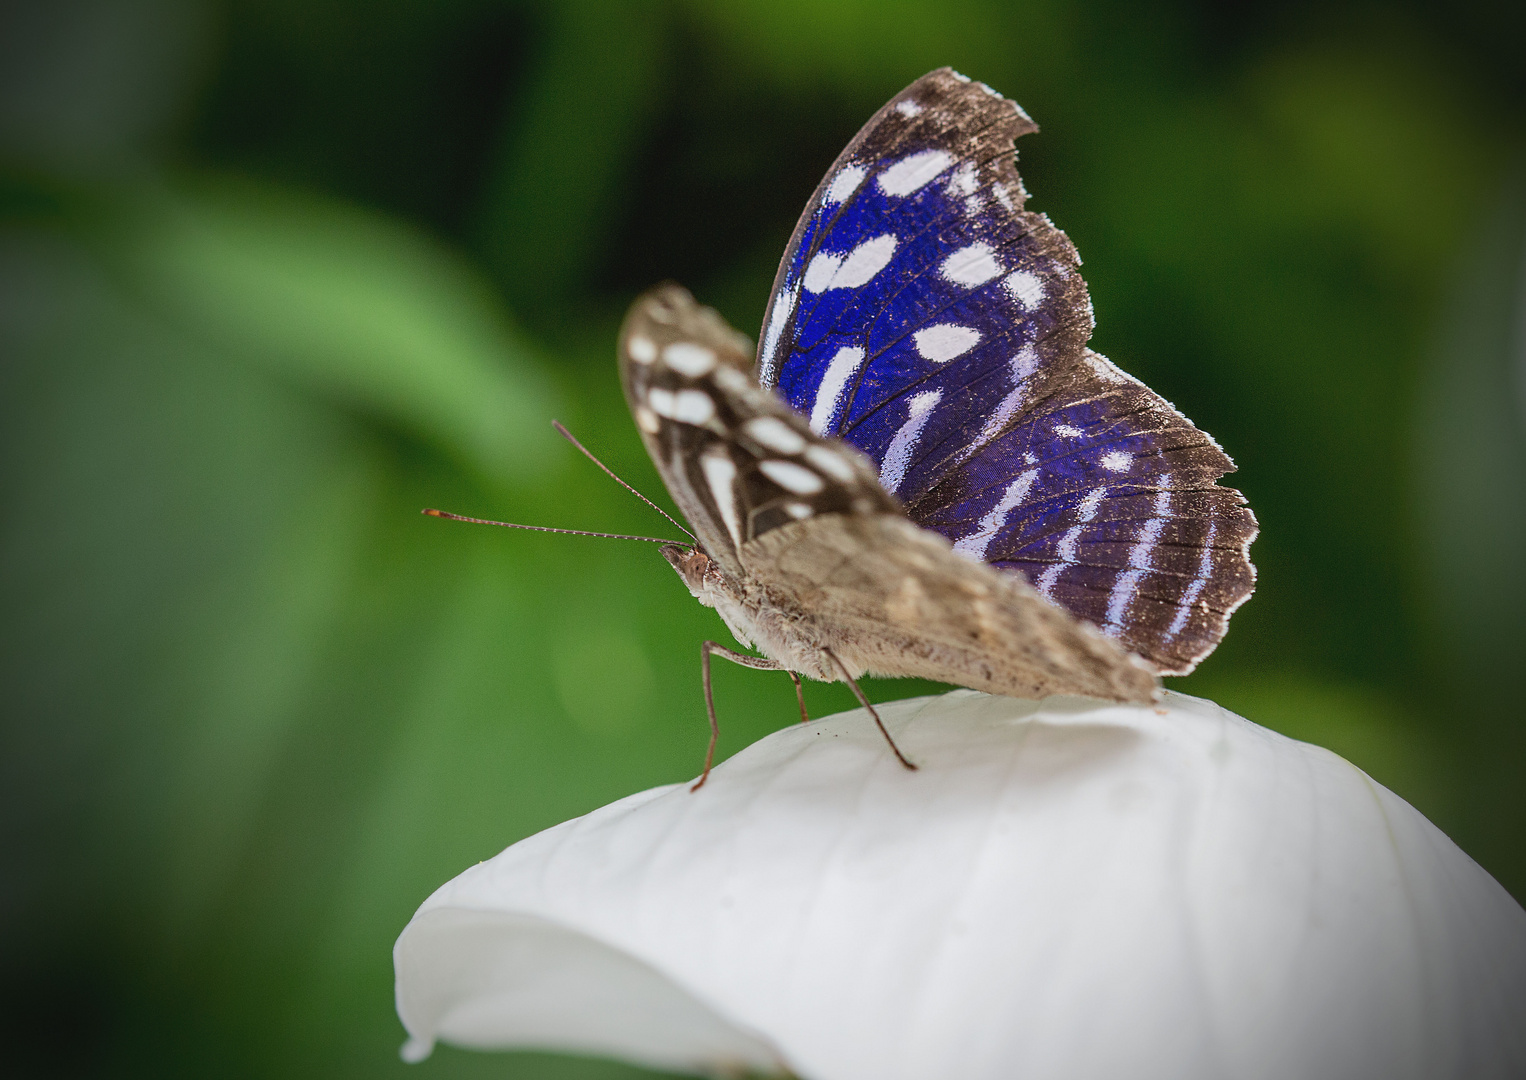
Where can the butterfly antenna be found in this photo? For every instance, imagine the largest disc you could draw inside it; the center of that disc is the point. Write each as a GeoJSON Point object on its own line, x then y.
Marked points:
{"type": "Point", "coordinates": [564, 433]}
{"type": "Point", "coordinates": [546, 528]}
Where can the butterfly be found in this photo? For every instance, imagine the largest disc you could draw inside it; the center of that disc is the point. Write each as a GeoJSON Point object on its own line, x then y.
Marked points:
{"type": "Point", "coordinates": [923, 470]}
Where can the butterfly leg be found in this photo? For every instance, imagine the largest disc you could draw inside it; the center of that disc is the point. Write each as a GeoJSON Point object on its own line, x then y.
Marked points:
{"type": "Point", "coordinates": [756, 662]}
{"type": "Point", "coordinates": [805, 717]}
{"type": "Point", "coordinates": [865, 703]}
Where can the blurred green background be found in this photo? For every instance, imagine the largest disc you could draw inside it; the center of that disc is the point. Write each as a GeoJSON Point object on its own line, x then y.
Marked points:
{"type": "Point", "coordinates": [275, 274]}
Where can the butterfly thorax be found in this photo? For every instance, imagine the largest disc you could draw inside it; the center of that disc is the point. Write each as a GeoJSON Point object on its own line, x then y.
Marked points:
{"type": "Point", "coordinates": [758, 618]}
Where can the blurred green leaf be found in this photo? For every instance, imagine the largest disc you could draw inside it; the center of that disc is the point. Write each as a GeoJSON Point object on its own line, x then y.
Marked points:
{"type": "Point", "coordinates": [553, 193]}
{"type": "Point", "coordinates": [1361, 724]}
{"type": "Point", "coordinates": [345, 302]}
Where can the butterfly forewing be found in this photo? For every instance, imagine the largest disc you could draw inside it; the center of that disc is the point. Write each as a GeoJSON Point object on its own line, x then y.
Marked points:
{"type": "Point", "coordinates": [925, 317]}
{"type": "Point", "coordinates": [737, 460]}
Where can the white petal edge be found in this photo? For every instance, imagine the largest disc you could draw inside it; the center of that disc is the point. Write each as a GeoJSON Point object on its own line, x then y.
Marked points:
{"type": "Point", "coordinates": [1065, 889]}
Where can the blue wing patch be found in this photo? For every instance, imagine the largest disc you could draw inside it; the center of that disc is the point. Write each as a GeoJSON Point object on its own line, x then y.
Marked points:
{"type": "Point", "coordinates": [923, 315]}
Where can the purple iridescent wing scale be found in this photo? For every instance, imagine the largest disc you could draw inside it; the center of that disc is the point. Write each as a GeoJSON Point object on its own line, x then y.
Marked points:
{"type": "Point", "coordinates": [924, 316]}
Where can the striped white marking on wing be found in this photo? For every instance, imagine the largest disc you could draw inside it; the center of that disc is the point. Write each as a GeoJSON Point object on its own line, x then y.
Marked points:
{"type": "Point", "coordinates": [1204, 568]}
{"type": "Point", "coordinates": [852, 270]}
{"type": "Point", "coordinates": [919, 409]}
{"type": "Point", "coordinates": [942, 342]}
{"type": "Point", "coordinates": [974, 545]}
{"type": "Point", "coordinates": [792, 477]}
{"type": "Point", "coordinates": [1085, 511]}
{"type": "Point", "coordinates": [720, 474]}
{"type": "Point", "coordinates": [689, 359]}
{"type": "Point", "coordinates": [971, 266]}
{"type": "Point", "coordinates": [829, 394]}
{"type": "Point", "coordinates": [1027, 289]}
{"type": "Point", "coordinates": [1024, 364]}
{"type": "Point", "coordinates": [774, 434]}
{"type": "Point", "coordinates": [778, 319]}
{"type": "Point", "coordinates": [1141, 562]}
{"type": "Point", "coordinates": [844, 184]}
{"type": "Point", "coordinates": [686, 406]}
{"type": "Point", "coordinates": [1067, 553]}
{"type": "Point", "coordinates": [642, 349]}
{"type": "Point", "coordinates": [914, 171]}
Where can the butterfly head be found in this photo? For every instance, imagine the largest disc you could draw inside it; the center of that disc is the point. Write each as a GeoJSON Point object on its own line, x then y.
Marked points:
{"type": "Point", "coordinates": [697, 569]}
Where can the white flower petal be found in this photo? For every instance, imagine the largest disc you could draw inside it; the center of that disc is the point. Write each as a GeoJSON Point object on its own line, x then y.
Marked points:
{"type": "Point", "coordinates": [1064, 889]}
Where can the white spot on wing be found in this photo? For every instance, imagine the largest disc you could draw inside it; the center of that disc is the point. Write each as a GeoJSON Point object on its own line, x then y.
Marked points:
{"type": "Point", "coordinates": [830, 462]}
{"type": "Point", "coordinates": [687, 358]}
{"type": "Point", "coordinates": [792, 477]}
{"type": "Point", "coordinates": [973, 265]}
{"type": "Point", "coordinates": [1069, 431]}
{"type": "Point", "coordinates": [642, 349]}
{"type": "Point", "coordinates": [914, 171]}
{"type": "Point", "coordinates": [647, 420]}
{"type": "Point", "coordinates": [820, 271]}
{"type": "Point", "coordinates": [898, 456]}
{"type": "Point", "coordinates": [720, 474]}
{"type": "Point", "coordinates": [974, 545]}
{"type": "Point", "coordinates": [1027, 289]}
{"type": "Point", "coordinates": [858, 267]}
{"type": "Point", "coordinates": [797, 510]}
{"type": "Point", "coordinates": [661, 401]}
{"type": "Point", "coordinates": [829, 395]}
{"type": "Point", "coordinates": [774, 434]}
{"type": "Point", "coordinates": [864, 261]}
{"type": "Point", "coordinates": [908, 108]}
{"type": "Point", "coordinates": [729, 378]}
{"type": "Point", "coordinates": [1116, 461]}
{"type": "Point", "coordinates": [844, 184]}
{"type": "Point", "coordinates": [964, 181]}
{"type": "Point", "coordinates": [942, 342]}
{"type": "Point", "coordinates": [693, 407]}
{"type": "Point", "coordinates": [686, 406]}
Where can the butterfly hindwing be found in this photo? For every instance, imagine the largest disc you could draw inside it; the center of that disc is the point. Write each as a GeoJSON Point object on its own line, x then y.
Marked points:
{"type": "Point", "coordinates": [891, 598]}
{"type": "Point", "coordinates": [924, 316]}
